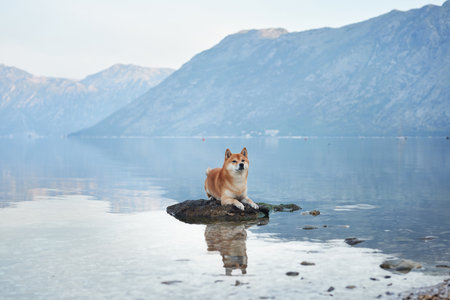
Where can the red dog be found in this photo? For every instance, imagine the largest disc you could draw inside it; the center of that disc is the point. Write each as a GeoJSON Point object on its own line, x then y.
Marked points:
{"type": "Point", "coordinates": [229, 183]}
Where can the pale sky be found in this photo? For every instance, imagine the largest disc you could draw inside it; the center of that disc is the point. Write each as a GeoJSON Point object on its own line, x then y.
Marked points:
{"type": "Point", "coordinates": [72, 39]}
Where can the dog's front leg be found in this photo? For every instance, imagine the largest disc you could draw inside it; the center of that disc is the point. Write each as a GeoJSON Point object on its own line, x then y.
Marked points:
{"type": "Point", "coordinates": [231, 201]}
{"type": "Point", "coordinates": [250, 202]}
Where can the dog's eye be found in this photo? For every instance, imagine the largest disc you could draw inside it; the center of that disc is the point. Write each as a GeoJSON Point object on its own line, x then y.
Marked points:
{"type": "Point", "coordinates": [234, 161]}
{"type": "Point", "coordinates": [242, 160]}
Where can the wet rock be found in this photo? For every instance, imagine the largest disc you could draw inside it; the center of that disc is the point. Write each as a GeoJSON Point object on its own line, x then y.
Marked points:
{"type": "Point", "coordinates": [211, 211]}
{"type": "Point", "coordinates": [350, 287]}
{"type": "Point", "coordinates": [353, 241]}
{"type": "Point", "coordinates": [330, 289]}
{"type": "Point", "coordinates": [435, 292]}
{"type": "Point", "coordinates": [428, 238]}
{"type": "Point", "coordinates": [171, 282]}
{"type": "Point", "coordinates": [280, 207]}
{"type": "Point", "coordinates": [374, 279]}
{"type": "Point", "coordinates": [314, 212]}
{"type": "Point", "coordinates": [387, 276]}
{"type": "Point", "coordinates": [307, 263]}
{"type": "Point", "coordinates": [292, 273]}
{"type": "Point", "coordinates": [309, 227]}
{"type": "Point", "coordinates": [400, 265]}
{"type": "Point", "coordinates": [442, 266]}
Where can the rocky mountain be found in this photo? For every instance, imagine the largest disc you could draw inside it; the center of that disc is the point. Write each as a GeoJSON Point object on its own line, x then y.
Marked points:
{"type": "Point", "coordinates": [44, 106]}
{"type": "Point", "coordinates": [386, 76]}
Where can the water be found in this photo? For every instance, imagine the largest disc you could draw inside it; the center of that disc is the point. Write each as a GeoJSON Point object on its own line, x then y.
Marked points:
{"type": "Point", "coordinates": [86, 218]}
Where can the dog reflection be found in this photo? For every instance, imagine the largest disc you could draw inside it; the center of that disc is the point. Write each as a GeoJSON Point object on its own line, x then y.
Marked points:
{"type": "Point", "coordinates": [230, 241]}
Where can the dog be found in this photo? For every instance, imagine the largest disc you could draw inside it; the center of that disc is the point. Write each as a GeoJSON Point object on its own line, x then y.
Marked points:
{"type": "Point", "coordinates": [229, 183]}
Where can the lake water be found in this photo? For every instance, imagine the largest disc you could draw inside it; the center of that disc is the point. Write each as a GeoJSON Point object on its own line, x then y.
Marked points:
{"type": "Point", "coordinates": [86, 218]}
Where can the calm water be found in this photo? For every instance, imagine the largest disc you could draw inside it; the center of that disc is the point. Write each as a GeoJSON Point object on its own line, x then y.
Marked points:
{"type": "Point", "coordinates": [86, 218]}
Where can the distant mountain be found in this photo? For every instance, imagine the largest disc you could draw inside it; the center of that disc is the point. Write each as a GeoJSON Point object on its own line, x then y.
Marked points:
{"type": "Point", "coordinates": [31, 105]}
{"type": "Point", "coordinates": [386, 76]}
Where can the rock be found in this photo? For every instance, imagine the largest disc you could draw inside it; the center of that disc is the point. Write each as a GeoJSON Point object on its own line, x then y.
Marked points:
{"type": "Point", "coordinates": [353, 241]}
{"type": "Point", "coordinates": [281, 207]}
{"type": "Point", "coordinates": [350, 287]}
{"type": "Point", "coordinates": [314, 212]}
{"type": "Point", "coordinates": [442, 266]}
{"type": "Point", "coordinates": [374, 279]}
{"type": "Point", "coordinates": [210, 211]}
{"type": "Point", "coordinates": [306, 263]}
{"type": "Point", "coordinates": [330, 289]}
{"type": "Point", "coordinates": [310, 227]}
{"type": "Point", "coordinates": [400, 265]}
{"type": "Point", "coordinates": [292, 273]}
{"type": "Point", "coordinates": [435, 292]}
{"type": "Point", "coordinates": [171, 282]}
{"type": "Point", "coordinates": [428, 238]}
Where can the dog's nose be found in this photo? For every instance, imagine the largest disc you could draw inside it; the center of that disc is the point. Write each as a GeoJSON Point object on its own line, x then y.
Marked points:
{"type": "Point", "coordinates": [241, 166]}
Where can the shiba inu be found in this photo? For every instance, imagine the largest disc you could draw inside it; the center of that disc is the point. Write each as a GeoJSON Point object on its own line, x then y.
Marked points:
{"type": "Point", "coordinates": [229, 183]}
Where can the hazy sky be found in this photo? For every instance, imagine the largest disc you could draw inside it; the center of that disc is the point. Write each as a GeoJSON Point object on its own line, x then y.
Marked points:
{"type": "Point", "coordinates": [80, 37]}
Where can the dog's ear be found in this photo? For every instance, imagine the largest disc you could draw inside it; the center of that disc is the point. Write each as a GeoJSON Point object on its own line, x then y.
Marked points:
{"type": "Point", "coordinates": [227, 154]}
{"type": "Point", "coordinates": [244, 152]}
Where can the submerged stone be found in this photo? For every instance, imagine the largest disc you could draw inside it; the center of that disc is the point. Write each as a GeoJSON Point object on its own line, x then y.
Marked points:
{"type": "Point", "coordinates": [353, 241]}
{"type": "Point", "coordinates": [400, 265]}
{"type": "Point", "coordinates": [211, 211]}
{"type": "Point", "coordinates": [281, 207]}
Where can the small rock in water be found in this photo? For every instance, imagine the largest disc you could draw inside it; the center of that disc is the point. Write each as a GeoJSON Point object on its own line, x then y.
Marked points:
{"type": "Point", "coordinates": [400, 265]}
{"type": "Point", "coordinates": [330, 289]}
{"type": "Point", "coordinates": [428, 238]}
{"type": "Point", "coordinates": [374, 279]}
{"type": "Point", "coordinates": [353, 241]}
{"type": "Point", "coordinates": [171, 282]}
{"type": "Point", "coordinates": [442, 266]}
{"type": "Point", "coordinates": [350, 287]}
{"type": "Point", "coordinates": [307, 263]}
{"type": "Point", "coordinates": [310, 227]}
{"type": "Point", "coordinates": [292, 273]}
{"type": "Point", "coordinates": [314, 212]}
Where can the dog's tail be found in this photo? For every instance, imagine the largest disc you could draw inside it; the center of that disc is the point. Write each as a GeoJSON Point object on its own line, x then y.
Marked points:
{"type": "Point", "coordinates": [207, 171]}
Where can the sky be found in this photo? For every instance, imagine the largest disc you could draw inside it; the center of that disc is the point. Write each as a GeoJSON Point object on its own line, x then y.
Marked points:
{"type": "Point", "coordinates": [72, 39]}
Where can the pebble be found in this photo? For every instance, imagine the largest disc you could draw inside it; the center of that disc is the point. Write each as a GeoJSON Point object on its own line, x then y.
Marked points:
{"type": "Point", "coordinates": [307, 263]}
{"type": "Point", "coordinates": [292, 273]}
{"type": "Point", "coordinates": [353, 241]}
{"type": "Point", "coordinates": [171, 282]}
{"type": "Point", "coordinates": [310, 227]}
{"type": "Point", "coordinates": [350, 287]}
{"type": "Point", "coordinates": [374, 279]}
{"type": "Point", "coordinates": [330, 289]}
{"type": "Point", "coordinates": [314, 212]}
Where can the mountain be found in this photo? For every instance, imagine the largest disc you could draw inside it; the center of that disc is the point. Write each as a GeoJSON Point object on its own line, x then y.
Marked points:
{"type": "Point", "coordinates": [44, 106]}
{"type": "Point", "coordinates": [386, 76]}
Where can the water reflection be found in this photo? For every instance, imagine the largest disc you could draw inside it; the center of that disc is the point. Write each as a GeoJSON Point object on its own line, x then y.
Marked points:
{"type": "Point", "coordinates": [230, 241]}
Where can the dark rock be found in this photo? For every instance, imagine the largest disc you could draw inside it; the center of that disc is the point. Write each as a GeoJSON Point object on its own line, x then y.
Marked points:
{"type": "Point", "coordinates": [171, 282]}
{"type": "Point", "coordinates": [350, 287]}
{"type": "Point", "coordinates": [428, 238]}
{"type": "Point", "coordinates": [310, 227]}
{"type": "Point", "coordinates": [387, 276]}
{"type": "Point", "coordinates": [400, 265]}
{"type": "Point", "coordinates": [306, 263]}
{"type": "Point", "coordinates": [280, 207]}
{"type": "Point", "coordinates": [210, 211]}
{"type": "Point", "coordinates": [353, 241]}
{"type": "Point", "coordinates": [330, 289]}
{"type": "Point", "coordinates": [314, 212]}
{"type": "Point", "coordinates": [292, 273]}
{"type": "Point", "coordinates": [442, 266]}
{"type": "Point", "coordinates": [374, 279]}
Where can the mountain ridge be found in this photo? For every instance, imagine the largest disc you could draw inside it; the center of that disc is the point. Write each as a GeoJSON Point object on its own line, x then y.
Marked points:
{"type": "Point", "coordinates": [385, 76]}
{"type": "Point", "coordinates": [51, 106]}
